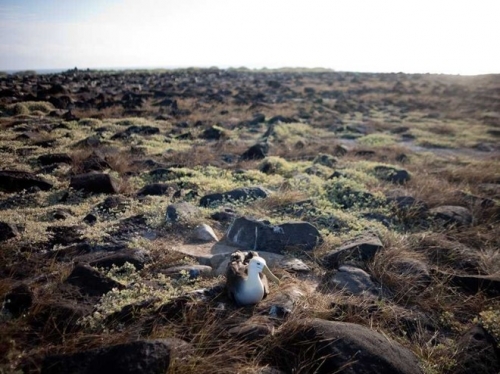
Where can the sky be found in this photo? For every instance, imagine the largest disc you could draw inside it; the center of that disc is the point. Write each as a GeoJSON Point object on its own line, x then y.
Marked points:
{"type": "Point", "coordinates": [423, 36]}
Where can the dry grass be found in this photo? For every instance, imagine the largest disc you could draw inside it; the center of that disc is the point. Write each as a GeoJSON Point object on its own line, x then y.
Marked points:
{"type": "Point", "coordinates": [418, 306]}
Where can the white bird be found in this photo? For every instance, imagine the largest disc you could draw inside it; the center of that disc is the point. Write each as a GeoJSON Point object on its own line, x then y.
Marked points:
{"type": "Point", "coordinates": [246, 278]}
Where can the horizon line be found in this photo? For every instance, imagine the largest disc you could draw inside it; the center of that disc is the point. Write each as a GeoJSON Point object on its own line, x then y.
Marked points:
{"type": "Point", "coordinates": [43, 71]}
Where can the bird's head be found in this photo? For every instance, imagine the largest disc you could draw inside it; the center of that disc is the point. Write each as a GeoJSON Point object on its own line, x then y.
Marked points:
{"type": "Point", "coordinates": [259, 264]}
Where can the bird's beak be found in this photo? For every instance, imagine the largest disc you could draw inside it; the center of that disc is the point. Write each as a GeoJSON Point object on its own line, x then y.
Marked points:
{"type": "Point", "coordinates": [270, 275]}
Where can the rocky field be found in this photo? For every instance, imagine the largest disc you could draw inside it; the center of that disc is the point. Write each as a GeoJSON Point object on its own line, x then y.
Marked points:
{"type": "Point", "coordinates": [373, 197]}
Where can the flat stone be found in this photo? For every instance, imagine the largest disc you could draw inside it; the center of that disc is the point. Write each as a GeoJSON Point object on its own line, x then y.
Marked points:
{"type": "Point", "coordinates": [224, 216]}
{"type": "Point", "coordinates": [16, 181]}
{"type": "Point", "coordinates": [361, 248]}
{"type": "Point", "coordinates": [250, 234]}
{"type": "Point", "coordinates": [200, 252]}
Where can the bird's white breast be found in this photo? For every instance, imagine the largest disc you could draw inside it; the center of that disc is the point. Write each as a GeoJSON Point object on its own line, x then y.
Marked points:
{"type": "Point", "coordinates": [251, 292]}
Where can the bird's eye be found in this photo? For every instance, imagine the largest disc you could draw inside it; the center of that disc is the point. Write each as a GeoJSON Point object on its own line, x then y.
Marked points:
{"type": "Point", "coordinates": [258, 263]}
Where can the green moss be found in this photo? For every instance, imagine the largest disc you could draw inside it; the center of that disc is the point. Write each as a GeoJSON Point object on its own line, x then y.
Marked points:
{"type": "Point", "coordinates": [277, 165]}
{"type": "Point", "coordinates": [347, 193]}
{"type": "Point", "coordinates": [325, 160]}
{"type": "Point", "coordinates": [490, 320]}
{"type": "Point", "coordinates": [377, 140]}
{"type": "Point", "coordinates": [18, 109]}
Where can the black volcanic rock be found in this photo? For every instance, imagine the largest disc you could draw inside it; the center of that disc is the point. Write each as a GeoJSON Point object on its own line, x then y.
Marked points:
{"type": "Point", "coordinates": [452, 215]}
{"type": "Point", "coordinates": [18, 300]}
{"type": "Point", "coordinates": [361, 248]}
{"type": "Point", "coordinates": [157, 189]}
{"type": "Point", "coordinates": [55, 158]}
{"type": "Point", "coordinates": [390, 174]}
{"type": "Point", "coordinates": [15, 181]}
{"type": "Point", "coordinates": [65, 234]}
{"type": "Point", "coordinates": [282, 119]}
{"type": "Point", "coordinates": [180, 211]}
{"type": "Point", "coordinates": [7, 231]}
{"type": "Point", "coordinates": [136, 257]}
{"type": "Point", "coordinates": [94, 162]}
{"type": "Point", "coordinates": [260, 236]}
{"type": "Point", "coordinates": [478, 352]}
{"type": "Point", "coordinates": [236, 194]}
{"type": "Point", "coordinates": [90, 281]}
{"type": "Point", "coordinates": [139, 130]}
{"type": "Point", "coordinates": [489, 284]}
{"type": "Point", "coordinates": [94, 183]}
{"type": "Point", "coordinates": [61, 316]}
{"type": "Point", "coordinates": [256, 152]}
{"type": "Point", "coordinates": [213, 133]}
{"type": "Point", "coordinates": [332, 346]}
{"type": "Point", "coordinates": [141, 356]}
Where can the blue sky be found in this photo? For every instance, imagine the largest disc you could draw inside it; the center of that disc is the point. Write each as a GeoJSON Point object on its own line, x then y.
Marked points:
{"type": "Point", "coordinates": [436, 36]}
